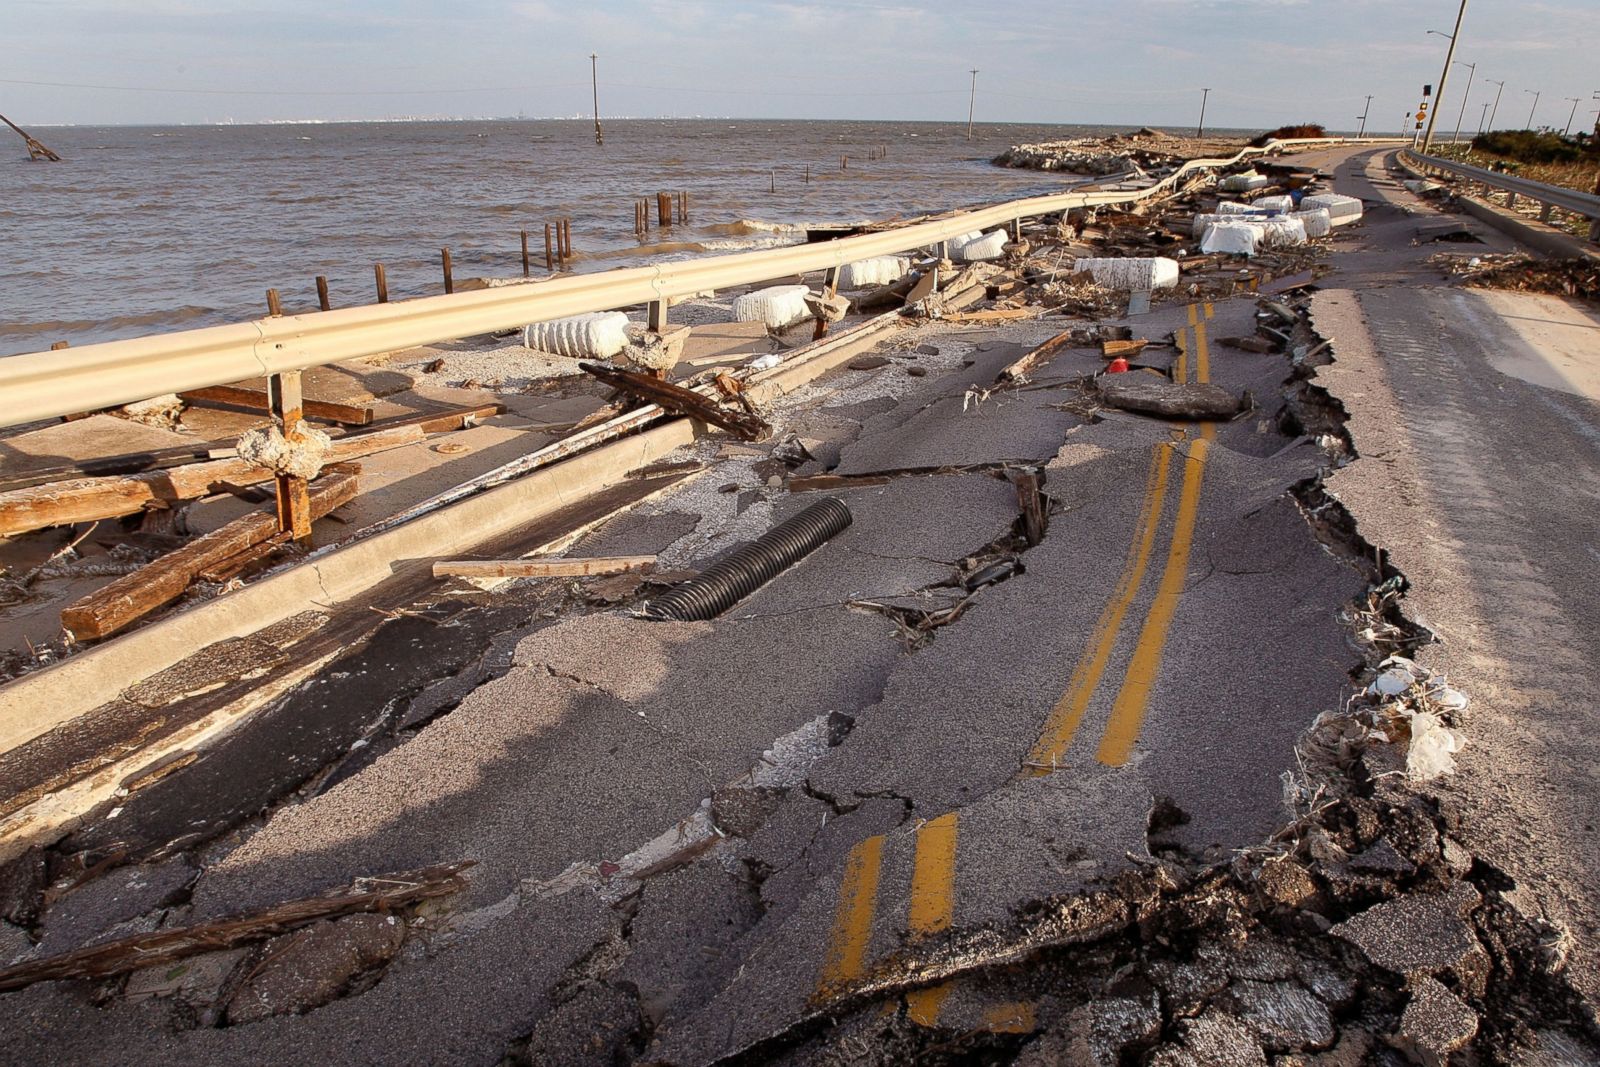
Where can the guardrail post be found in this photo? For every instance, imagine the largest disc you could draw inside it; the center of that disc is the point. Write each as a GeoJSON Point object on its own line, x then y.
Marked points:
{"type": "Point", "coordinates": [293, 495]}
{"type": "Point", "coordinates": [1544, 212]}
{"type": "Point", "coordinates": [1511, 199]}
{"type": "Point", "coordinates": [656, 316]}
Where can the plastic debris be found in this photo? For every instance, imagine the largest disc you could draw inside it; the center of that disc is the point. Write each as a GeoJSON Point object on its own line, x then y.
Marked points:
{"type": "Point", "coordinates": [777, 306]}
{"type": "Point", "coordinates": [879, 270]}
{"type": "Point", "coordinates": [597, 335]}
{"type": "Point", "coordinates": [1433, 747]}
{"type": "Point", "coordinates": [1132, 274]}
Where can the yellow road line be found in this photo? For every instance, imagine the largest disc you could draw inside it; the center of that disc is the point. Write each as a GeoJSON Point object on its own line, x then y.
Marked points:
{"type": "Point", "coordinates": [1069, 710]}
{"type": "Point", "coordinates": [846, 960]}
{"type": "Point", "coordinates": [1127, 713]}
{"type": "Point", "coordinates": [1013, 1017]}
{"type": "Point", "coordinates": [1202, 353]}
{"type": "Point", "coordinates": [933, 897]}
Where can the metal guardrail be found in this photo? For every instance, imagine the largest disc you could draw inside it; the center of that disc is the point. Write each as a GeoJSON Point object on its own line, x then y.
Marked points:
{"type": "Point", "coordinates": [42, 385]}
{"type": "Point", "coordinates": [1571, 200]}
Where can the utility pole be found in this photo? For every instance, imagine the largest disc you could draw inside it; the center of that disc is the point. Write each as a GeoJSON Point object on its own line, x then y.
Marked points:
{"type": "Point", "coordinates": [1200, 131]}
{"type": "Point", "coordinates": [1364, 112]}
{"type": "Point", "coordinates": [972, 99]}
{"type": "Point", "coordinates": [1481, 116]}
{"type": "Point", "coordinates": [594, 83]}
{"type": "Point", "coordinates": [1473, 67]}
{"type": "Point", "coordinates": [1576, 100]}
{"type": "Point", "coordinates": [1444, 76]}
{"type": "Point", "coordinates": [1535, 106]}
{"type": "Point", "coordinates": [1496, 109]}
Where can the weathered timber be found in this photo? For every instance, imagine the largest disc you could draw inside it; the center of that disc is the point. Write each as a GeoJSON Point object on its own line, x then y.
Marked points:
{"type": "Point", "coordinates": [84, 499]}
{"type": "Point", "coordinates": [684, 401]}
{"type": "Point", "coordinates": [239, 396]}
{"type": "Point", "coordinates": [540, 568]}
{"type": "Point", "coordinates": [970, 318]}
{"type": "Point", "coordinates": [891, 295]}
{"type": "Point", "coordinates": [36, 151]}
{"type": "Point", "coordinates": [133, 596]}
{"type": "Point", "coordinates": [384, 893]}
{"type": "Point", "coordinates": [1112, 349]}
{"type": "Point", "coordinates": [1022, 366]}
{"type": "Point", "coordinates": [1029, 482]}
{"type": "Point", "coordinates": [441, 421]}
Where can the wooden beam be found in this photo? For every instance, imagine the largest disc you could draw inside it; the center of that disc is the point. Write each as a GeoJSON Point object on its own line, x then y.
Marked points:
{"type": "Point", "coordinates": [386, 893]}
{"type": "Point", "coordinates": [1022, 366]}
{"type": "Point", "coordinates": [133, 596]}
{"type": "Point", "coordinates": [683, 401]}
{"type": "Point", "coordinates": [1122, 349]}
{"type": "Point", "coordinates": [238, 396]}
{"type": "Point", "coordinates": [85, 499]}
{"type": "Point", "coordinates": [540, 568]}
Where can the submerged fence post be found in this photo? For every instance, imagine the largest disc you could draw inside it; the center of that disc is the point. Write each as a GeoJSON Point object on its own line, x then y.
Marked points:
{"type": "Point", "coordinates": [323, 300]}
{"type": "Point", "coordinates": [527, 266]}
{"type": "Point", "coordinates": [449, 277]}
{"type": "Point", "coordinates": [549, 258]}
{"type": "Point", "coordinates": [664, 208]}
{"type": "Point", "coordinates": [381, 277]}
{"type": "Point", "coordinates": [274, 305]}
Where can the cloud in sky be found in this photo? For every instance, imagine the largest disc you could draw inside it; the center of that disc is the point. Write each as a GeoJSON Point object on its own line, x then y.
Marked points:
{"type": "Point", "coordinates": [1138, 61]}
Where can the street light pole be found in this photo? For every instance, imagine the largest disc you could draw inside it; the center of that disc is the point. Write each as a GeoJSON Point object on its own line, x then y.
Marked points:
{"type": "Point", "coordinates": [972, 99]}
{"type": "Point", "coordinates": [1444, 75]}
{"type": "Point", "coordinates": [1496, 109]}
{"type": "Point", "coordinates": [1201, 130]}
{"type": "Point", "coordinates": [1364, 112]}
{"type": "Point", "coordinates": [1535, 106]}
{"type": "Point", "coordinates": [1576, 100]}
{"type": "Point", "coordinates": [1473, 67]}
{"type": "Point", "coordinates": [594, 84]}
{"type": "Point", "coordinates": [1481, 116]}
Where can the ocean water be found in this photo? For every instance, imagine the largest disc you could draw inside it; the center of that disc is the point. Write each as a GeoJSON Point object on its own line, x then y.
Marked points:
{"type": "Point", "coordinates": [148, 229]}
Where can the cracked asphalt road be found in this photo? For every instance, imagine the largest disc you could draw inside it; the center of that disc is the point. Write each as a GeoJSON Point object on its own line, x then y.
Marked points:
{"type": "Point", "coordinates": [1134, 693]}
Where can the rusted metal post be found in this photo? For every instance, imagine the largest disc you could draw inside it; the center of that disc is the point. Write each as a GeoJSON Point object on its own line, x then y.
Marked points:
{"type": "Point", "coordinates": [274, 305]}
{"type": "Point", "coordinates": [772, 182]}
{"type": "Point", "coordinates": [324, 301]}
{"type": "Point", "coordinates": [566, 242]}
{"type": "Point", "coordinates": [293, 496]}
{"type": "Point", "coordinates": [449, 277]}
{"type": "Point", "coordinates": [664, 208]}
{"type": "Point", "coordinates": [527, 265]}
{"type": "Point", "coordinates": [808, 174]}
{"type": "Point", "coordinates": [381, 277]}
{"type": "Point", "coordinates": [549, 258]}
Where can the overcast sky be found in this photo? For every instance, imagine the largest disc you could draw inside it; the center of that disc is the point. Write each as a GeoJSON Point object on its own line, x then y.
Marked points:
{"type": "Point", "coordinates": [1112, 61]}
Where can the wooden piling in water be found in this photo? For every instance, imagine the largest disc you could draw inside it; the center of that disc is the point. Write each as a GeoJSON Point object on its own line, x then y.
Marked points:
{"type": "Point", "coordinates": [664, 209]}
{"type": "Point", "coordinates": [381, 278]}
{"type": "Point", "coordinates": [59, 345]}
{"type": "Point", "coordinates": [324, 301]}
{"type": "Point", "coordinates": [527, 266]}
{"type": "Point", "coordinates": [274, 305]}
{"type": "Point", "coordinates": [549, 259]}
{"type": "Point", "coordinates": [449, 276]}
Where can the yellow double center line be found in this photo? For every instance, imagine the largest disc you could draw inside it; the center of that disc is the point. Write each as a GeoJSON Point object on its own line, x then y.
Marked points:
{"type": "Point", "coordinates": [1132, 701]}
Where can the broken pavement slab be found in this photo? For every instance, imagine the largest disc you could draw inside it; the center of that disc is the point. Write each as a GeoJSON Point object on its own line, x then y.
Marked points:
{"type": "Point", "coordinates": [1149, 394]}
{"type": "Point", "coordinates": [1417, 934]}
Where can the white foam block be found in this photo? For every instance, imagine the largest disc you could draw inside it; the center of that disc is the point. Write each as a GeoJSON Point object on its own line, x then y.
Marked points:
{"type": "Point", "coordinates": [597, 335]}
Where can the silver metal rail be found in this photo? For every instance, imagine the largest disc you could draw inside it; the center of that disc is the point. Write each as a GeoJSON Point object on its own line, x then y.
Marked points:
{"type": "Point", "coordinates": [42, 385]}
{"type": "Point", "coordinates": [1586, 205]}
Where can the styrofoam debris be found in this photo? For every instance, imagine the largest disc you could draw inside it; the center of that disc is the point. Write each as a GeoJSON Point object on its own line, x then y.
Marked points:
{"type": "Point", "coordinates": [1131, 274]}
{"type": "Point", "coordinates": [1235, 207]}
{"type": "Point", "coordinates": [1241, 183]}
{"type": "Point", "coordinates": [596, 335]}
{"type": "Point", "coordinates": [1341, 209]}
{"type": "Point", "coordinates": [1392, 682]}
{"type": "Point", "coordinates": [1316, 221]}
{"type": "Point", "coordinates": [1231, 238]}
{"type": "Point", "coordinates": [777, 306]}
{"type": "Point", "coordinates": [1282, 231]}
{"type": "Point", "coordinates": [1433, 747]}
{"type": "Point", "coordinates": [879, 270]}
{"type": "Point", "coordinates": [1274, 203]}
{"type": "Point", "coordinates": [989, 246]}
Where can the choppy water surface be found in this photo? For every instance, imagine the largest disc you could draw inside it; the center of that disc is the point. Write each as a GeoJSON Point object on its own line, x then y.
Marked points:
{"type": "Point", "coordinates": [147, 229]}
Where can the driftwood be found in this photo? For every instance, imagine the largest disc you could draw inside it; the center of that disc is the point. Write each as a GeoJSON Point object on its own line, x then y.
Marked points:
{"type": "Point", "coordinates": [133, 596]}
{"type": "Point", "coordinates": [540, 568]}
{"type": "Point", "coordinates": [1021, 367]}
{"type": "Point", "coordinates": [684, 401]}
{"type": "Point", "coordinates": [380, 894]}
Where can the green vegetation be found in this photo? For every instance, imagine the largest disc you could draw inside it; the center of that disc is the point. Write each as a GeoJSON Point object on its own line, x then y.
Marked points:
{"type": "Point", "coordinates": [1533, 146]}
{"type": "Point", "coordinates": [1284, 133]}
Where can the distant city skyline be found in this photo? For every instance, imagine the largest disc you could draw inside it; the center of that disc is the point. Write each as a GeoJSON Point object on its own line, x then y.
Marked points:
{"type": "Point", "coordinates": [1268, 62]}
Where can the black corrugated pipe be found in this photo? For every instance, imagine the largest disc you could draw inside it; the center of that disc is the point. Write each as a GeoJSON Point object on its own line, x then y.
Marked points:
{"type": "Point", "coordinates": [749, 567]}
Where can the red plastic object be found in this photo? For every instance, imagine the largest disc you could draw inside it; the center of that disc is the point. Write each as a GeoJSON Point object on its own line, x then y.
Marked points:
{"type": "Point", "coordinates": [1118, 366]}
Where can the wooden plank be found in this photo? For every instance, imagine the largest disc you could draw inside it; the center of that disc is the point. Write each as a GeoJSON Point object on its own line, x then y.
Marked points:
{"type": "Point", "coordinates": [386, 893]}
{"type": "Point", "coordinates": [684, 401]}
{"type": "Point", "coordinates": [86, 499]}
{"type": "Point", "coordinates": [1022, 366]}
{"type": "Point", "coordinates": [540, 568]}
{"type": "Point", "coordinates": [133, 596]}
{"type": "Point", "coordinates": [1001, 315]}
{"type": "Point", "coordinates": [1122, 349]}
{"type": "Point", "coordinates": [256, 400]}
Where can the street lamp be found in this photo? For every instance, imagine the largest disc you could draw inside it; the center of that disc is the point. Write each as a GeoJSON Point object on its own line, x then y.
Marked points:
{"type": "Point", "coordinates": [1481, 116]}
{"type": "Point", "coordinates": [1364, 112]}
{"type": "Point", "coordinates": [1535, 106]}
{"type": "Point", "coordinates": [1496, 109]}
{"type": "Point", "coordinates": [1444, 75]}
{"type": "Point", "coordinates": [1201, 131]}
{"type": "Point", "coordinates": [1576, 100]}
{"type": "Point", "coordinates": [1473, 67]}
